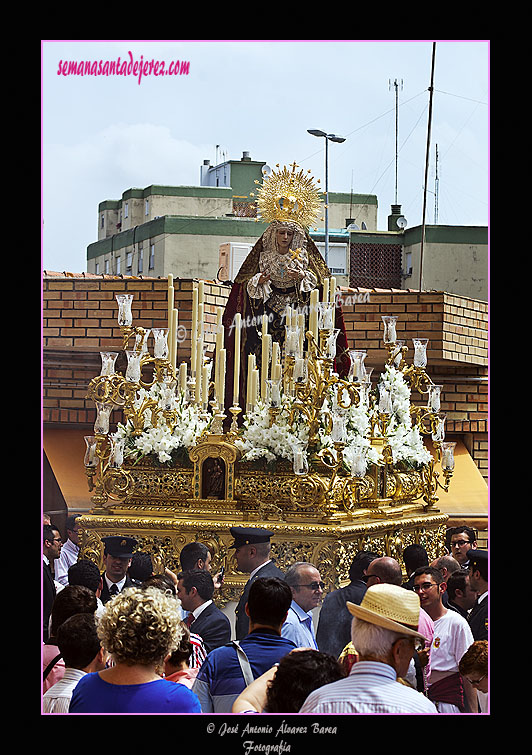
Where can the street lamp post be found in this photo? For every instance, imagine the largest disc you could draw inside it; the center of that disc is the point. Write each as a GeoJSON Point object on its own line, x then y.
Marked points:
{"type": "Point", "coordinates": [328, 138]}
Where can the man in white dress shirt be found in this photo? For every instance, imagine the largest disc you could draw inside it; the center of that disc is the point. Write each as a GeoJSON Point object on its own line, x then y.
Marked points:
{"type": "Point", "coordinates": [69, 551]}
{"type": "Point", "coordinates": [82, 653]}
{"type": "Point", "coordinates": [384, 633]}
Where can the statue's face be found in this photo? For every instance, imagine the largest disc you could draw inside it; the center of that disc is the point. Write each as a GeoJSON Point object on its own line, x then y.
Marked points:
{"type": "Point", "coordinates": [284, 238]}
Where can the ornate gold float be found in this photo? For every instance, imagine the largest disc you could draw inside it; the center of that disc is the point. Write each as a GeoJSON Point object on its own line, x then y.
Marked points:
{"type": "Point", "coordinates": [357, 475]}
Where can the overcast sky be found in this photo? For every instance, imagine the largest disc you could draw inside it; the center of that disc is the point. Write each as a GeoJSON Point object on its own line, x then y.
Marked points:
{"type": "Point", "coordinates": [102, 135]}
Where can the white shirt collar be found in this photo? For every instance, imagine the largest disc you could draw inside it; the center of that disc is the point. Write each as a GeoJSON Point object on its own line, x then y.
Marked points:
{"type": "Point", "coordinates": [259, 567]}
{"type": "Point", "coordinates": [196, 612]}
{"type": "Point", "coordinates": [118, 584]}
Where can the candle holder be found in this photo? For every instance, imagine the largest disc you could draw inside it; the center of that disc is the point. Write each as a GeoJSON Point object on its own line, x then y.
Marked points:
{"type": "Point", "coordinates": [125, 316]}
{"type": "Point", "coordinates": [359, 464]}
{"type": "Point", "coordinates": [274, 393]}
{"type": "Point", "coordinates": [420, 351]}
{"type": "Point", "coordinates": [300, 461]}
{"type": "Point", "coordinates": [433, 403]}
{"type": "Point", "coordinates": [357, 370]}
{"type": "Point", "coordinates": [160, 349]}
{"type": "Point", "coordinates": [141, 340]}
{"type": "Point", "coordinates": [133, 371]}
{"type": "Point", "coordinates": [447, 456]}
{"type": "Point", "coordinates": [103, 411]}
{"type": "Point", "coordinates": [235, 411]}
{"type": "Point", "coordinates": [438, 432]}
{"type": "Point", "coordinates": [326, 315]}
{"type": "Point", "coordinates": [116, 457]}
{"type": "Point", "coordinates": [108, 362]}
{"type": "Point", "coordinates": [300, 374]}
{"type": "Point", "coordinates": [390, 335]}
{"type": "Point", "coordinates": [91, 459]}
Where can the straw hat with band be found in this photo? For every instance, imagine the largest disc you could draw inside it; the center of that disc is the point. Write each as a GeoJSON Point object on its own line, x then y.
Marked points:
{"type": "Point", "coordinates": [391, 607]}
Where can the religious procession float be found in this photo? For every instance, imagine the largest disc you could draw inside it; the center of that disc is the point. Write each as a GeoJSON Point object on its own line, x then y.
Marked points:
{"type": "Point", "coordinates": [283, 426]}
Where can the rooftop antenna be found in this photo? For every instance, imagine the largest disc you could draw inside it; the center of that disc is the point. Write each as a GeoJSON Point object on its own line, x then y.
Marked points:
{"type": "Point", "coordinates": [427, 154]}
{"type": "Point", "coordinates": [436, 190]}
{"type": "Point", "coordinates": [397, 85]}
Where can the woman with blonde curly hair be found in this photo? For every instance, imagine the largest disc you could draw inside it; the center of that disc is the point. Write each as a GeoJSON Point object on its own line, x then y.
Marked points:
{"type": "Point", "coordinates": [139, 627]}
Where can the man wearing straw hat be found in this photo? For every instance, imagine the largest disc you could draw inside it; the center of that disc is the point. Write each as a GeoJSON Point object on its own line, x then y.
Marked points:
{"type": "Point", "coordinates": [384, 633]}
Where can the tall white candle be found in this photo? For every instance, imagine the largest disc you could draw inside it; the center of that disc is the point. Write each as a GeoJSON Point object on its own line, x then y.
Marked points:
{"type": "Point", "coordinates": [199, 365]}
{"type": "Point", "coordinates": [194, 329]}
{"type": "Point", "coordinates": [325, 295]}
{"type": "Point", "coordinates": [313, 317]}
{"type": "Point", "coordinates": [236, 373]}
{"type": "Point", "coordinates": [254, 386]}
{"type": "Point", "coordinates": [275, 353]}
{"type": "Point", "coordinates": [333, 290]}
{"type": "Point", "coordinates": [199, 332]}
{"type": "Point", "coordinates": [205, 385]}
{"type": "Point", "coordinates": [183, 377]}
{"type": "Point", "coordinates": [266, 340]}
{"type": "Point", "coordinates": [173, 342]}
{"type": "Point", "coordinates": [221, 385]}
{"type": "Point", "coordinates": [251, 365]}
{"type": "Point", "coordinates": [170, 303]}
{"type": "Point", "coordinates": [301, 326]}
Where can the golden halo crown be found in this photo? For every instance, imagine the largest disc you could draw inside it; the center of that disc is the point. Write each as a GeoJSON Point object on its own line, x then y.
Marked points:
{"type": "Point", "coordinates": [289, 195]}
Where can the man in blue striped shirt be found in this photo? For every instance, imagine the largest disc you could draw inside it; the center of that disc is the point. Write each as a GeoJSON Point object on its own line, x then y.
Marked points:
{"type": "Point", "coordinates": [307, 592]}
{"type": "Point", "coordinates": [384, 633]}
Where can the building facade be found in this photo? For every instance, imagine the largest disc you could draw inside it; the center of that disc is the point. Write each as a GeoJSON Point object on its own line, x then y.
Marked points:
{"type": "Point", "coordinates": [178, 230]}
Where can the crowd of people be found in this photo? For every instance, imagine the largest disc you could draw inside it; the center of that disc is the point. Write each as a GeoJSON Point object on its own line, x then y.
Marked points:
{"type": "Point", "coordinates": [129, 640]}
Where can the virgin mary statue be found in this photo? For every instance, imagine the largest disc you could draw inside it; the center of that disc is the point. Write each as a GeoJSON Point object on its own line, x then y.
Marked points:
{"type": "Point", "coordinates": [279, 274]}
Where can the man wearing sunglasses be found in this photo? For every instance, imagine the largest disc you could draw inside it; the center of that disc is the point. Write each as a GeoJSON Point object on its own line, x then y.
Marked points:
{"type": "Point", "coordinates": [307, 592]}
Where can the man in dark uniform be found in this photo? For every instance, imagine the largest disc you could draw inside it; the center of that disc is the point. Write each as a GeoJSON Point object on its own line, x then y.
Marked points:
{"type": "Point", "coordinates": [117, 555]}
{"type": "Point", "coordinates": [334, 626]}
{"type": "Point", "coordinates": [478, 579]}
{"type": "Point", "coordinates": [253, 557]}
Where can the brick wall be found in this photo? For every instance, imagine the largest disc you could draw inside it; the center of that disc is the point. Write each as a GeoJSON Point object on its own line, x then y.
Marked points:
{"type": "Point", "coordinates": [80, 320]}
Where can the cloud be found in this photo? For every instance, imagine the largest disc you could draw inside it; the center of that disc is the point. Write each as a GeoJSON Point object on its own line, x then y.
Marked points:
{"type": "Point", "coordinates": [77, 177]}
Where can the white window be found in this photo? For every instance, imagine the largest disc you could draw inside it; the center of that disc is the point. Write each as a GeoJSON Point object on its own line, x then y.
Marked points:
{"type": "Point", "coordinates": [141, 260]}
{"type": "Point", "coordinates": [106, 267]}
{"type": "Point", "coordinates": [126, 210]}
{"type": "Point", "coordinates": [118, 265]}
{"type": "Point", "coordinates": [147, 207]}
{"type": "Point", "coordinates": [152, 256]}
{"type": "Point", "coordinates": [129, 262]}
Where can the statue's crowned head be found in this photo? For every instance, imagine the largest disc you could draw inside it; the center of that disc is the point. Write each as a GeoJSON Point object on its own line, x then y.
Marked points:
{"type": "Point", "coordinates": [289, 195]}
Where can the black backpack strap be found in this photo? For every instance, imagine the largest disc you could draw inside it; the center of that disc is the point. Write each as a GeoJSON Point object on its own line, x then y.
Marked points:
{"type": "Point", "coordinates": [51, 665]}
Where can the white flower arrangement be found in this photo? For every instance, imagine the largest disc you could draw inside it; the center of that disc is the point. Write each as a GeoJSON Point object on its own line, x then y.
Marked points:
{"type": "Point", "coordinates": [161, 441]}
{"type": "Point", "coordinates": [260, 441]}
{"type": "Point", "coordinates": [257, 440]}
{"type": "Point", "coordinates": [405, 441]}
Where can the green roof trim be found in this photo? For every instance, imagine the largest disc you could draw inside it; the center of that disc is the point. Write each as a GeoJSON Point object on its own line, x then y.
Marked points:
{"type": "Point", "coordinates": [434, 234]}
{"type": "Point", "coordinates": [336, 197]}
{"type": "Point", "coordinates": [177, 224]}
